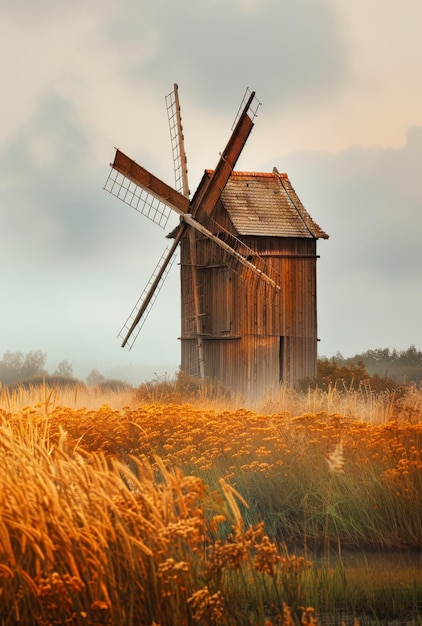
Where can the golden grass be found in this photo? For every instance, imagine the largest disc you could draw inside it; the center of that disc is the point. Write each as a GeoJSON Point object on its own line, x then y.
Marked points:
{"type": "Point", "coordinates": [362, 404]}
{"type": "Point", "coordinates": [117, 510]}
{"type": "Point", "coordinates": [87, 540]}
{"type": "Point", "coordinates": [48, 398]}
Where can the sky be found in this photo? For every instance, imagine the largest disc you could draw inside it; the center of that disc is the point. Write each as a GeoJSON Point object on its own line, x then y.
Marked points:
{"type": "Point", "coordinates": [341, 93]}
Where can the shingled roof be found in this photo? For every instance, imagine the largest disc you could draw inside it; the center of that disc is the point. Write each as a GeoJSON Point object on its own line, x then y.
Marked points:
{"type": "Point", "coordinates": [266, 204]}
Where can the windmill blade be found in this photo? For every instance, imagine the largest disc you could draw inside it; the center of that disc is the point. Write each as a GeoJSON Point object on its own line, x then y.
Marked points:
{"type": "Point", "coordinates": [208, 194]}
{"type": "Point", "coordinates": [177, 142]}
{"type": "Point", "coordinates": [143, 191]}
{"type": "Point", "coordinates": [208, 198]}
{"type": "Point", "coordinates": [140, 311]}
{"type": "Point", "coordinates": [253, 106]}
{"type": "Point", "coordinates": [242, 257]}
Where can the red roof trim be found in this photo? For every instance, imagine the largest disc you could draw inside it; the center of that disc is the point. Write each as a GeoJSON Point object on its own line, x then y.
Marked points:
{"type": "Point", "coordinates": [283, 175]}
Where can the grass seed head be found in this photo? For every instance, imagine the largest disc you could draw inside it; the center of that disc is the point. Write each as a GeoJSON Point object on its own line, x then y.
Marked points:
{"type": "Point", "coordinates": [336, 460]}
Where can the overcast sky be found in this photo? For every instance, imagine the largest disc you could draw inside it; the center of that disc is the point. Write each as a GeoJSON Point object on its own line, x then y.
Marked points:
{"type": "Point", "coordinates": [341, 93]}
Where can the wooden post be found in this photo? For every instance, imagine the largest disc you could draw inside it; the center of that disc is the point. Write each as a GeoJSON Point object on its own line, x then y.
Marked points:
{"type": "Point", "coordinates": [198, 329]}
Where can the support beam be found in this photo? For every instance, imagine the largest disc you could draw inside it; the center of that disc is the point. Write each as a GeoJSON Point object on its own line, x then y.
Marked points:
{"type": "Point", "coordinates": [192, 222]}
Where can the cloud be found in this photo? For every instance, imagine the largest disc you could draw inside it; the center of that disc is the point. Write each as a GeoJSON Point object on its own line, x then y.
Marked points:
{"type": "Point", "coordinates": [287, 50]}
{"type": "Point", "coordinates": [74, 259]}
{"type": "Point", "coordinates": [368, 200]}
{"type": "Point", "coordinates": [374, 203]}
{"type": "Point", "coordinates": [45, 177]}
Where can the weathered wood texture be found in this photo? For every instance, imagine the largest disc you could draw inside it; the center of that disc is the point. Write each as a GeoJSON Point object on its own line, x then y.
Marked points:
{"type": "Point", "coordinates": [254, 338]}
{"type": "Point", "coordinates": [153, 185]}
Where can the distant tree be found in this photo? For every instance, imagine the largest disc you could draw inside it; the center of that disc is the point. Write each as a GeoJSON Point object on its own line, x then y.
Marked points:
{"type": "Point", "coordinates": [15, 366]}
{"type": "Point", "coordinates": [34, 364]}
{"type": "Point", "coordinates": [13, 360]}
{"type": "Point", "coordinates": [94, 378]}
{"type": "Point", "coordinates": [402, 366]}
{"type": "Point", "coordinates": [10, 366]}
{"type": "Point", "coordinates": [411, 356]}
{"type": "Point", "coordinates": [64, 368]}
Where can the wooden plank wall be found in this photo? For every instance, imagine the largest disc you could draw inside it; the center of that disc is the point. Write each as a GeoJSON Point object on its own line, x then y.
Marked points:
{"type": "Point", "coordinates": [242, 331]}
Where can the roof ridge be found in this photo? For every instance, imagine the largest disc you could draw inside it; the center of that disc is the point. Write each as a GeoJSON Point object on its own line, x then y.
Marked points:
{"type": "Point", "coordinates": [255, 174]}
{"type": "Point", "coordinates": [300, 209]}
{"type": "Point", "coordinates": [312, 227]}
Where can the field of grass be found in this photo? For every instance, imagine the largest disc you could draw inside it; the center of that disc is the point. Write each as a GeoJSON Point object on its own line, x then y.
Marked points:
{"type": "Point", "coordinates": [145, 509]}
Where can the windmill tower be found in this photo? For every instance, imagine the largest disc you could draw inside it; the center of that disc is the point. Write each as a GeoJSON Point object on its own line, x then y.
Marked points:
{"type": "Point", "coordinates": [247, 263]}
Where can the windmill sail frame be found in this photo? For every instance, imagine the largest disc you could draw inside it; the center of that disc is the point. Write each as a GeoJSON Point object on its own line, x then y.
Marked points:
{"type": "Point", "coordinates": [140, 189]}
{"type": "Point", "coordinates": [177, 142]}
{"type": "Point", "coordinates": [143, 306]}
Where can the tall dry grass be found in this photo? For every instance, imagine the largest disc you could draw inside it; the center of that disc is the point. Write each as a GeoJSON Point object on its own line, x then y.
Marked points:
{"type": "Point", "coordinates": [361, 404]}
{"type": "Point", "coordinates": [87, 540]}
{"type": "Point", "coordinates": [47, 398]}
{"type": "Point", "coordinates": [115, 509]}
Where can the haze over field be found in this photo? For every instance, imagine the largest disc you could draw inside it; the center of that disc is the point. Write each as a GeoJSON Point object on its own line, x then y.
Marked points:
{"type": "Point", "coordinates": [341, 114]}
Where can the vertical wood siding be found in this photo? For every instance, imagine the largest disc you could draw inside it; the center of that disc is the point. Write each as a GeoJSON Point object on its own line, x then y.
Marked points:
{"type": "Point", "coordinates": [252, 335]}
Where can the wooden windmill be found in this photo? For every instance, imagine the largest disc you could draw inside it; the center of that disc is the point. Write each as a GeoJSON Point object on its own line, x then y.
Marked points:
{"type": "Point", "coordinates": [247, 263]}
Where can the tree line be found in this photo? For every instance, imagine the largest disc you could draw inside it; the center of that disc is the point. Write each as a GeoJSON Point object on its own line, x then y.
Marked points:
{"type": "Point", "coordinates": [403, 366]}
{"type": "Point", "coordinates": [24, 369]}
{"type": "Point", "coordinates": [382, 366]}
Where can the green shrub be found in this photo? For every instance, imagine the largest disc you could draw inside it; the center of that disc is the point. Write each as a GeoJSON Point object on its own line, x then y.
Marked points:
{"type": "Point", "coordinates": [351, 377]}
